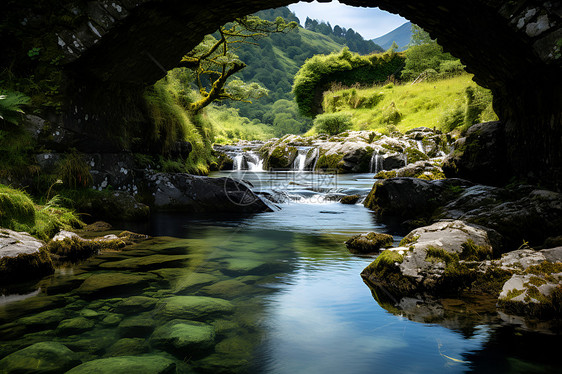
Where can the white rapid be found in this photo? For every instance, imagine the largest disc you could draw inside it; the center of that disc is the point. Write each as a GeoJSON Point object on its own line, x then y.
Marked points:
{"type": "Point", "coordinates": [420, 146]}
{"type": "Point", "coordinates": [238, 161]}
{"type": "Point", "coordinates": [375, 165]}
{"type": "Point", "coordinates": [254, 161]}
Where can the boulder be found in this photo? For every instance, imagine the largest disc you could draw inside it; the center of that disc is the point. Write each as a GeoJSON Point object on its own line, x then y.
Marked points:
{"type": "Point", "coordinates": [40, 358]}
{"type": "Point", "coordinates": [180, 336]}
{"type": "Point", "coordinates": [281, 156]}
{"type": "Point", "coordinates": [350, 199]}
{"type": "Point", "coordinates": [192, 307]}
{"type": "Point", "coordinates": [195, 194]}
{"type": "Point", "coordinates": [144, 263]}
{"type": "Point", "coordinates": [149, 364]}
{"type": "Point", "coordinates": [481, 156]}
{"type": "Point", "coordinates": [127, 346]}
{"type": "Point", "coordinates": [433, 259]}
{"type": "Point", "coordinates": [137, 326]}
{"type": "Point", "coordinates": [74, 326]}
{"type": "Point", "coordinates": [411, 198]}
{"type": "Point", "coordinates": [22, 257]}
{"type": "Point", "coordinates": [109, 283]}
{"type": "Point", "coordinates": [369, 243]}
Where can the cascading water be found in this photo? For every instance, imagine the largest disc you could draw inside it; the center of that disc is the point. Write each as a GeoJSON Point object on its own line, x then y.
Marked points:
{"type": "Point", "coordinates": [238, 160]}
{"type": "Point", "coordinates": [255, 163]}
{"type": "Point", "coordinates": [375, 163]}
{"type": "Point", "coordinates": [420, 146]}
{"type": "Point", "coordinates": [300, 161]}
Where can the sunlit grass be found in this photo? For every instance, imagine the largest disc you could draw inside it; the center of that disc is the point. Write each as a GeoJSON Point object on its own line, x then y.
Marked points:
{"type": "Point", "coordinates": [422, 104]}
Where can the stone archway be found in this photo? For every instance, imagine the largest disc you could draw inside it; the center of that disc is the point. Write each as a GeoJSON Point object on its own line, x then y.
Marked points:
{"type": "Point", "coordinates": [114, 48]}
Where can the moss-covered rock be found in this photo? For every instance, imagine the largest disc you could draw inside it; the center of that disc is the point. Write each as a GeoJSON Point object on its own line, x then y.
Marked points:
{"type": "Point", "coordinates": [110, 283]}
{"type": "Point", "coordinates": [127, 346]}
{"type": "Point", "coordinates": [148, 364]}
{"type": "Point", "coordinates": [369, 243]}
{"type": "Point", "coordinates": [136, 326]}
{"type": "Point", "coordinates": [74, 326]}
{"type": "Point", "coordinates": [181, 336]}
{"type": "Point", "coordinates": [43, 358]}
{"type": "Point", "coordinates": [281, 157]}
{"type": "Point", "coordinates": [22, 257]}
{"type": "Point", "coordinates": [192, 307]}
{"type": "Point", "coordinates": [149, 262]}
{"type": "Point", "coordinates": [350, 199]}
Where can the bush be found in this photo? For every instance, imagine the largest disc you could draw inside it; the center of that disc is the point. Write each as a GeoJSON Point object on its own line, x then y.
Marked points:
{"type": "Point", "coordinates": [332, 123]}
{"type": "Point", "coordinates": [391, 115]}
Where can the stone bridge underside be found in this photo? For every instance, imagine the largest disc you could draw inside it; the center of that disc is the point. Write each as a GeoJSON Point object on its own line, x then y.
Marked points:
{"type": "Point", "coordinates": [512, 47]}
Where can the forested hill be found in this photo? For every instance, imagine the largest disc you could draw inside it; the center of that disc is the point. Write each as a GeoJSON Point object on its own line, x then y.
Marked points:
{"type": "Point", "coordinates": [275, 60]}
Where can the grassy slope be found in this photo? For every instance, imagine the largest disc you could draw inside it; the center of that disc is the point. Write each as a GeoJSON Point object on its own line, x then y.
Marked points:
{"type": "Point", "coordinates": [422, 104]}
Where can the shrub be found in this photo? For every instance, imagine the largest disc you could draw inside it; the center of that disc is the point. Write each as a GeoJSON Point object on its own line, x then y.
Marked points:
{"type": "Point", "coordinates": [74, 171]}
{"type": "Point", "coordinates": [332, 123]}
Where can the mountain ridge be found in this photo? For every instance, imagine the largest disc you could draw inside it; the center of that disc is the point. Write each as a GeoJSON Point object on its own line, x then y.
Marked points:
{"type": "Point", "coordinates": [401, 35]}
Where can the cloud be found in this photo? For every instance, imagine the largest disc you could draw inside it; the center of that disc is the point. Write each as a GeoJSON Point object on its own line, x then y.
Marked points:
{"type": "Point", "coordinates": [369, 22]}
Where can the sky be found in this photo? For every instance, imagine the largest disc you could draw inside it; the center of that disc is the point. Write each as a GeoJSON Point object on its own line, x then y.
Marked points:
{"type": "Point", "coordinates": [369, 22]}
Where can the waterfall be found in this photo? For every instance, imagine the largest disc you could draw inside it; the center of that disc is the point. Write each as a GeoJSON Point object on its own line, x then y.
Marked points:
{"type": "Point", "coordinates": [255, 163]}
{"type": "Point", "coordinates": [238, 160]}
{"type": "Point", "coordinates": [375, 163]}
{"type": "Point", "coordinates": [420, 146]}
{"type": "Point", "coordinates": [300, 161]}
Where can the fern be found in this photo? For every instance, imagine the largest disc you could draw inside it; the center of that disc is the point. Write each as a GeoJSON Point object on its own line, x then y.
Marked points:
{"type": "Point", "coordinates": [10, 106]}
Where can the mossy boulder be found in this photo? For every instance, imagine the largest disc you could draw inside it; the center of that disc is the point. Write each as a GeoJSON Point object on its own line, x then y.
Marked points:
{"type": "Point", "coordinates": [481, 156]}
{"type": "Point", "coordinates": [411, 198]}
{"type": "Point", "coordinates": [281, 157]}
{"type": "Point", "coordinates": [111, 283]}
{"type": "Point", "coordinates": [369, 243]}
{"type": "Point", "coordinates": [434, 259]}
{"type": "Point", "coordinates": [22, 257]}
{"type": "Point", "coordinates": [193, 281]}
{"type": "Point", "coordinates": [193, 307]}
{"type": "Point", "coordinates": [127, 347]}
{"type": "Point", "coordinates": [181, 336]}
{"type": "Point", "coordinates": [40, 358]}
{"type": "Point", "coordinates": [137, 326]}
{"type": "Point", "coordinates": [148, 364]}
{"type": "Point", "coordinates": [74, 326]}
{"type": "Point", "coordinates": [150, 262]}
{"type": "Point", "coordinates": [350, 199]}
{"type": "Point", "coordinates": [135, 304]}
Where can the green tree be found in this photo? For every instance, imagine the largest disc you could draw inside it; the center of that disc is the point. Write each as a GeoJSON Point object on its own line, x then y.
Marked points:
{"type": "Point", "coordinates": [213, 61]}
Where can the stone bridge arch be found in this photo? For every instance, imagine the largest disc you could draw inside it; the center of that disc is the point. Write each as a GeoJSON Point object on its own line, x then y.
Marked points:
{"type": "Point", "coordinates": [114, 48]}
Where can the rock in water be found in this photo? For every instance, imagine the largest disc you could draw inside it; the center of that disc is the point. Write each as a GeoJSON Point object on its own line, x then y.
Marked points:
{"type": "Point", "coordinates": [22, 257]}
{"type": "Point", "coordinates": [44, 358]}
{"type": "Point", "coordinates": [193, 307]}
{"type": "Point", "coordinates": [180, 336]}
{"type": "Point", "coordinates": [369, 243]}
{"type": "Point", "coordinates": [431, 259]}
{"type": "Point", "coordinates": [190, 193]}
{"type": "Point", "coordinates": [481, 156]}
{"type": "Point", "coordinates": [127, 365]}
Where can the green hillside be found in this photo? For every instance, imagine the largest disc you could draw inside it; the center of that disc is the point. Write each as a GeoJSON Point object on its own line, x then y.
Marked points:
{"type": "Point", "coordinates": [273, 62]}
{"type": "Point", "coordinates": [444, 104]}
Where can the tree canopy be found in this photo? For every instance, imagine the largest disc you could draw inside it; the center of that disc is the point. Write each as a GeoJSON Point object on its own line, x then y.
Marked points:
{"type": "Point", "coordinates": [214, 60]}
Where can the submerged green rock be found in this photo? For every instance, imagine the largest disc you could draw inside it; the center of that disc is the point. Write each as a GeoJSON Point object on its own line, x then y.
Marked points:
{"type": "Point", "coordinates": [146, 262]}
{"type": "Point", "coordinates": [192, 307]}
{"type": "Point", "coordinates": [183, 337]}
{"type": "Point", "coordinates": [44, 358]}
{"type": "Point", "coordinates": [113, 282]}
{"type": "Point", "coordinates": [127, 347]}
{"type": "Point", "coordinates": [74, 326]}
{"type": "Point", "coordinates": [152, 364]}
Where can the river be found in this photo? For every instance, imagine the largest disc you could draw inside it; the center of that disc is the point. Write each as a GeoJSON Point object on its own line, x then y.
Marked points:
{"type": "Point", "coordinates": [298, 302]}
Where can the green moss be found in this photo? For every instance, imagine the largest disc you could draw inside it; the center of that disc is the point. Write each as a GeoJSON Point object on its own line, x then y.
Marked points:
{"type": "Point", "coordinates": [385, 262]}
{"type": "Point", "coordinates": [414, 155]}
{"type": "Point", "coordinates": [385, 174]}
{"type": "Point", "coordinates": [407, 240]}
{"type": "Point", "coordinates": [545, 269]}
{"type": "Point", "coordinates": [329, 162]}
{"type": "Point", "coordinates": [434, 254]}
{"type": "Point", "coordinates": [536, 281]}
{"type": "Point", "coordinates": [74, 249]}
{"type": "Point", "coordinates": [511, 294]}
{"type": "Point", "coordinates": [473, 252]}
{"type": "Point", "coordinates": [434, 175]}
{"type": "Point", "coordinates": [18, 212]}
{"type": "Point", "coordinates": [74, 171]}
{"type": "Point", "coordinates": [350, 199]}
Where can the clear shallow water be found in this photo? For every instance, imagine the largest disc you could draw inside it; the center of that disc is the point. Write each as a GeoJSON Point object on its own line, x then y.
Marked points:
{"type": "Point", "coordinates": [299, 304]}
